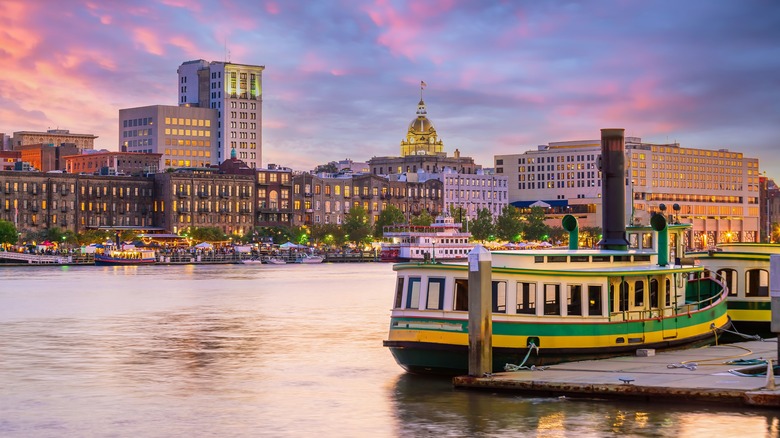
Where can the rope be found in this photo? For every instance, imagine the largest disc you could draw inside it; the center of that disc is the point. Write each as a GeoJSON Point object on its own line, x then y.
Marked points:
{"type": "Point", "coordinates": [512, 367]}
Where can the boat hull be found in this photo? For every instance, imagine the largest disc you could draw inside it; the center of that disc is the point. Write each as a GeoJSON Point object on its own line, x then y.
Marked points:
{"type": "Point", "coordinates": [422, 353]}
{"type": "Point", "coordinates": [111, 261]}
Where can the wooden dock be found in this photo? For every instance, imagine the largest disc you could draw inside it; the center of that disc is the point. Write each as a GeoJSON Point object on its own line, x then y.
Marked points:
{"type": "Point", "coordinates": [698, 375]}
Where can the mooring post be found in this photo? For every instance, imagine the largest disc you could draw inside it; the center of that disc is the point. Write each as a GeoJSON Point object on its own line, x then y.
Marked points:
{"type": "Point", "coordinates": [774, 294]}
{"type": "Point", "coordinates": [480, 311]}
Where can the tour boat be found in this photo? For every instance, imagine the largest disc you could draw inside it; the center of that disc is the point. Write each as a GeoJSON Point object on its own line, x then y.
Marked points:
{"type": "Point", "coordinates": [441, 241]}
{"type": "Point", "coordinates": [556, 305]}
{"type": "Point", "coordinates": [745, 269]}
{"type": "Point", "coordinates": [126, 257]}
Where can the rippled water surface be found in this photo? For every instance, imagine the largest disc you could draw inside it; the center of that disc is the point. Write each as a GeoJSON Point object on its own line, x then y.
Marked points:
{"type": "Point", "coordinates": [278, 351]}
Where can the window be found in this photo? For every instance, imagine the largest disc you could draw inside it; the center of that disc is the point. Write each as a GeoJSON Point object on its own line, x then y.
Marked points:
{"type": "Point", "coordinates": [399, 292]}
{"type": "Point", "coordinates": [574, 300]}
{"type": "Point", "coordinates": [435, 294]}
{"type": "Point", "coordinates": [526, 298]}
{"type": "Point", "coordinates": [623, 297]}
{"type": "Point", "coordinates": [730, 278]}
{"type": "Point", "coordinates": [499, 296]}
{"type": "Point", "coordinates": [413, 293]}
{"type": "Point", "coordinates": [639, 293]}
{"type": "Point", "coordinates": [594, 300]}
{"type": "Point", "coordinates": [757, 283]}
{"type": "Point", "coordinates": [552, 305]}
{"type": "Point", "coordinates": [654, 293]}
{"type": "Point", "coordinates": [461, 295]}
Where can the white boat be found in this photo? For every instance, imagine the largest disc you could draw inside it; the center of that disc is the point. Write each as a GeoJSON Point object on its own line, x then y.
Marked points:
{"type": "Point", "coordinates": [306, 258]}
{"type": "Point", "coordinates": [276, 261]}
{"type": "Point", "coordinates": [251, 262]}
{"type": "Point", "coordinates": [442, 240]}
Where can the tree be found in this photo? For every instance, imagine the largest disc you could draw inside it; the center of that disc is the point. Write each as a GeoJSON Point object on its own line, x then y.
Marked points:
{"type": "Point", "coordinates": [535, 228]}
{"type": "Point", "coordinates": [92, 236]}
{"type": "Point", "coordinates": [8, 233]}
{"type": "Point", "coordinates": [327, 168]}
{"type": "Point", "coordinates": [391, 215]}
{"type": "Point", "coordinates": [459, 214]}
{"type": "Point", "coordinates": [558, 234]}
{"type": "Point", "coordinates": [208, 234]}
{"type": "Point", "coordinates": [356, 225]}
{"type": "Point", "coordinates": [482, 227]}
{"type": "Point", "coordinates": [423, 219]}
{"type": "Point", "coordinates": [328, 234]}
{"type": "Point", "coordinates": [509, 224]}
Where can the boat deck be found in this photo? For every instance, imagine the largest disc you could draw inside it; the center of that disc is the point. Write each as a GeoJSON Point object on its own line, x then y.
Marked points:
{"type": "Point", "coordinates": [695, 375]}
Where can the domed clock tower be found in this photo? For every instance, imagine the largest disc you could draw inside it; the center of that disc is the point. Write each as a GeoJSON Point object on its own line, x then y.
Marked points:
{"type": "Point", "coordinates": [421, 138]}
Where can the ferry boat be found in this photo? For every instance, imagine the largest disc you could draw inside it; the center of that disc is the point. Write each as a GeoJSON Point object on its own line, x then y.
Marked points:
{"type": "Point", "coordinates": [556, 305]}
{"type": "Point", "coordinates": [441, 241]}
{"type": "Point", "coordinates": [745, 269]}
{"type": "Point", "coordinates": [126, 257]}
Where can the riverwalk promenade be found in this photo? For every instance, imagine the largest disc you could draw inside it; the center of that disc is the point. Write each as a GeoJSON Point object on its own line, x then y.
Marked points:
{"type": "Point", "coordinates": [701, 375]}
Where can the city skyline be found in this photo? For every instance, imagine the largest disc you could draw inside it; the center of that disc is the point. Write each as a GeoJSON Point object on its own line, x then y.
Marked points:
{"type": "Point", "coordinates": [342, 80]}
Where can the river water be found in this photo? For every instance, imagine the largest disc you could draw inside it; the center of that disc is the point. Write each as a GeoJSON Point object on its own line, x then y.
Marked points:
{"type": "Point", "coordinates": [277, 351]}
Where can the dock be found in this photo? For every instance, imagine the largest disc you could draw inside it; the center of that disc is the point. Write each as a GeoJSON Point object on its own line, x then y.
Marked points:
{"type": "Point", "coordinates": [698, 375]}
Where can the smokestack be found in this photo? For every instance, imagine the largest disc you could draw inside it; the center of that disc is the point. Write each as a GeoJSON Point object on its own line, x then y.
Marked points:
{"type": "Point", "coordinates": [613, 189]}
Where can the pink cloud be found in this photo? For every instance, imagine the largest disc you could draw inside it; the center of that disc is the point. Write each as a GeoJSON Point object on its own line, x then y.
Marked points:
{"type": "Point", "coordinates": [272, 8]}
{"type": "Point", "coordinates": [148, 40]}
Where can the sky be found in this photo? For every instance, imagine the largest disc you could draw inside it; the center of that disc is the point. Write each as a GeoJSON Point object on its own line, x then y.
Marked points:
{"type": "Point", "coordinates": [342, 78]}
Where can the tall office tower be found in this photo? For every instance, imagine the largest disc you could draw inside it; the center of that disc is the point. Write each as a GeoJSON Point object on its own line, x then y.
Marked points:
{"type": "Point", "coordinates": [235, 91]}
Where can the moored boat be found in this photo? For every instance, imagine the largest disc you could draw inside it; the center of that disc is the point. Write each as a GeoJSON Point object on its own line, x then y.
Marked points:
{"type": "Point", "coordinates": [126, 257]}
{"type": "Point", "coordinates": [745, 270]}
{"type": "Point", "coordinates": [307, 258]}
{"type": "Point", "coordinates": [276, 261]}
{"type": "Point", "coordinates": [556, 305]}
{"type": "Point", "coordinates": [443, 240]}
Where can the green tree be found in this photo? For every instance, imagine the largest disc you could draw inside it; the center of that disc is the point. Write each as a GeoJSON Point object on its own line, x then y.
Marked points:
{"type": "Point", "coordinates": [208, 234]}
{"type": "Point", "coordinates": [535, 228]}
{"type": "Point", "coordinates": [391, 215]}
{"type": "Point", "coordinates": [459, 214]}
{"type": "Point", "coordinates": [558, 235]}
{"type": "Point", "coordinates": [8, 233]}
{"type": "Point", "coordinates": [356, 225]}
{"type": "Point", "coordinates": [423, 219]}
{"type": "Point", "coordinates": [278, 234]}
{"type": "Point", "coordinates": [482, 228]}
{"type": "Point", "coordinates": [328, 234]}
{"type": "Point", "coordinates": [509, 224]}
{"type": "Point", "coordinates": [327, 168]}
{"type": "Point", "coordinates": [92, 236]}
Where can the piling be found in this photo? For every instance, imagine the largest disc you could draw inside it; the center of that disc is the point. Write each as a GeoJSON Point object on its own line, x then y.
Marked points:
{"type": "Point", "coordinates": [480, 312]}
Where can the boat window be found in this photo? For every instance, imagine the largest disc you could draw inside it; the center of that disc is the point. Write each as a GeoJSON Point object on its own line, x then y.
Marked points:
{"type": "Point", "coordinates": [461, 294]}
{"type": "Point", "coordinates": [623, 258]}
{"type": "Point", "coordinates": [757, 283]}
{"type": "Point", "coordinates": [413, 293]}
{"type": "Point", "coordinates": [654, 293]}
{"type": "Point", "coordinates": [538, 259]}
{"type": "Point", "coordinates": [633, 241]}
{"type": "Point", "coordinates": [668, 293]}
{"type": "Point", "coordinates": [623, 297]}
{"type": "Point", "coordinates": [574, 300]}
{"type": "Point", "coordinates": [526, 298]}
{"type": "Point", "coordinates": [399, 292]}
{"type": "Point", "coordinates": [499, 296]}
{"type": "Point", "coordinates": [602, 258]}
{"type": "Point", "coordinates": [580, 259]}
{"type": "Point", "coordinates": [639, 293]}
{"type": "Point", "coordinates": [729, 277]}
{"type": "Point", "coordinates": [647, 240]}
{"type": "Point", "coordinates": [557, 259]}
{"type": "Point", "coordinates": [435, 294]}
{"type": "Point", "coordinates": [642, 258]}
{"type": "Point", "coordinates": [552, 304]}
{"type": "Point", "coordinates": [594, 300]}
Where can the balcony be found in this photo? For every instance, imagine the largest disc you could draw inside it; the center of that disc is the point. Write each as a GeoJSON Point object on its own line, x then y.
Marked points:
{"type": "Point", "coordinates": [182, 195]}
{"type": "Point", "coordinates": [203, 195]}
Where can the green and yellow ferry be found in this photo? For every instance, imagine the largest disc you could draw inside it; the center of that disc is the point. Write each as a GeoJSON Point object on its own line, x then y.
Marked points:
{"type": "Point", "coordinates": [557, 305]}
{"type": "Point", "coordinates": [745, 269]}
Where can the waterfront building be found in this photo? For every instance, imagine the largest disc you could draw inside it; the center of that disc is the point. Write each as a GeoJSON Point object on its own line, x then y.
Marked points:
{"type": "Point", "coordinates": [185, 136]}
{"type": "Point", "coordinates": [114, 163]}
{"type": "Point", "coordinates": [36, 201]}
{"type": "Point", "coordinates": [204, 198]}
{"type": "Point", "coordinates": [717, 191]}
{"type": "Point", "coordinates": [326, 199]}
{"type": "Point", "coordinates": [274, 196]}
{"type": "Point", "coordinates": [53, 137]}
{"type": "Point", "coordinates": [234, 91]}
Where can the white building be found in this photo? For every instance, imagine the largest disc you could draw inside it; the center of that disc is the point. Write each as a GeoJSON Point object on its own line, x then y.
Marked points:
{"type": "Point", "coordinates": [716, 190]}
{"type": "Point", "coordinates": [473, 192]}
{"type": "Point", "coordinates": [185, 136]}
{"type": "Point", "coordinates": [235, 92]}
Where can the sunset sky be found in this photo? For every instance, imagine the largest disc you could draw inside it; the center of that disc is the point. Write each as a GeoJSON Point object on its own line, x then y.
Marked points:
{"type": "Point", "coordinates": [342, 78]}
